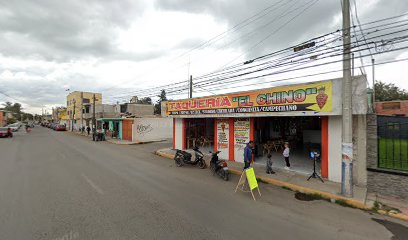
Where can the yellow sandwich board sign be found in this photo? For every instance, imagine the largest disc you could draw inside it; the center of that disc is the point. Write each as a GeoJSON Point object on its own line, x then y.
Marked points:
{"type": "Point", "coordinates": [250, 174]}
{"type": "Point", "coordinates": [251, 178]}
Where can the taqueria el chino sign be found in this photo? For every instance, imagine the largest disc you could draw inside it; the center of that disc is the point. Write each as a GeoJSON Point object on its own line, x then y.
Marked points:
{"type": "Point", "coordinates": [316, 97]}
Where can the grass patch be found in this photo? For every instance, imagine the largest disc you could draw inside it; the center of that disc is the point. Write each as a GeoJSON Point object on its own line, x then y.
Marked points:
{"type": "Point", "coordinates": [376, 206]}
{"type": "Point", "coordinates": [343, 203]}
{"type": "Point", "coordinates": [381, 206]}
{"type": "Point", "coordinates": [393, 153]}
{"type": "Point", "coordinates": [287, 188]}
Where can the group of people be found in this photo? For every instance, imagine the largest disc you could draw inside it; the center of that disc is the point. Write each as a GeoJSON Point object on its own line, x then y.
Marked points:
{"type": "Point", "coordinates": [88, 129]}
{"type": "Point", "coordinates": [249, 153]}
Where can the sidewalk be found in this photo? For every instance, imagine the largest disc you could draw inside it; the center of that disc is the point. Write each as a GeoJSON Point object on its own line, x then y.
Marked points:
{"type": "Point", "coordinates": [114, 140]}
{"type": "Point", "coordinates": [298, 182]}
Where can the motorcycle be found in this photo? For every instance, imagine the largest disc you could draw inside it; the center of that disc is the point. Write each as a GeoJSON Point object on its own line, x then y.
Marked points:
{"type": "Point", "coordinates": [183, 157]}
{"type": "Point", "coordinates": [219, 167]}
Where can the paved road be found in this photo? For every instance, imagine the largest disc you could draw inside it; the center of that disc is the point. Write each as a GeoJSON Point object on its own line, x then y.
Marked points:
{"type": "Point", "coordinates": [57, 185]}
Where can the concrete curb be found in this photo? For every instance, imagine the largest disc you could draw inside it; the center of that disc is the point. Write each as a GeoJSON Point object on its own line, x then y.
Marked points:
{"type": "Point", "coordinates": [294, 187]}
{"type": "Point", "coordinates": [133, 143]}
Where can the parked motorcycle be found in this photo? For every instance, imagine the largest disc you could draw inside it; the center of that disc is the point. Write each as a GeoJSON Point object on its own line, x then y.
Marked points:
{"type": "Point", "coordinates": [219, 167]}
{"type": "Point", "coordinates": [183, 157]}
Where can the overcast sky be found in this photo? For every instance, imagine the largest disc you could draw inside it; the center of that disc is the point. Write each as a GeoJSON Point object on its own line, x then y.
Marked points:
{"type": "Point", "coordinates": [115, 47]}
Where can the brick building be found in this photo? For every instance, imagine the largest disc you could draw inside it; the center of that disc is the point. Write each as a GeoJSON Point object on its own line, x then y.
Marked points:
{"type": "Point", "coordinates": [4, 115]}
{"type": "Point", "coordinates": [392, 108]}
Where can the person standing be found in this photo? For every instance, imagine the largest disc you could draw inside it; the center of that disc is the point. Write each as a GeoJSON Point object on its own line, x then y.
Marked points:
{"type": "Point", "coordinates": [88, 129]}
{"type": "Point", "coordinates": [248, 153]}
{"type": "Point", "coordinates": [286, 153]}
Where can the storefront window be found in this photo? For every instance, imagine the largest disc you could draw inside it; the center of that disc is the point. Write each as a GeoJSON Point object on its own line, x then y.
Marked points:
{"type": "Point", "coordinates": [200, 133]}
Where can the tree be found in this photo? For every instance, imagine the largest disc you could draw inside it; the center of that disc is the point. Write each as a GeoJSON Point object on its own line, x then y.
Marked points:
{"type": "Point", "coordinates": [15, 109]}
{"type": "Point", "coordinates": [11, 121]}
{"type": "Point", "coordinates": [146, 100]}
{"type": "Point", "coordinates": [162, 97]}
{"type": "Point", "coordinates": [389, 92]}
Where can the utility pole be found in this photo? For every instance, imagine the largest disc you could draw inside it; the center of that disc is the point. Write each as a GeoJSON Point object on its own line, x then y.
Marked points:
{"type": "Point", "coordinates": [73, 117]}
{"type": "Point", "coordinates": [93, 119]}
{"type": "Point", "coordinates": [191, 86]}
{"type": "Point", "coordinates": [82, 110]}
{"type": "Point", "coordinates": [373, 64]}
{"type": "Point", "coordinates": [347, 141]}
{"type": "Point", "coordinates": [352, 64]}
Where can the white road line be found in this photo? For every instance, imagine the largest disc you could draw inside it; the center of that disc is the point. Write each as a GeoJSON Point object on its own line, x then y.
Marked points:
{"type": "Point", "coordinates": [93, 185]}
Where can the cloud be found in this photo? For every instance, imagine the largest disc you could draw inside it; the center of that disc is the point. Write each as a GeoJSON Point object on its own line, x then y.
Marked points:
{"type": "Point", "coordinates": [118, 47]}
{"type": "Point", "coordinates": [64, 30]}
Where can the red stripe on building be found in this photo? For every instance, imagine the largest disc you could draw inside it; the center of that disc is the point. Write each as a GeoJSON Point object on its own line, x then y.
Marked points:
{"type": "Point", "coordinates": [183, 135]}
{"type": "Point", "coordinates": [174, 133]}
{"type": "Point", "coordinates": [252, 133]}
{"type": "Point", "coordinates": [231, 140]}
{"type": "Point", "coordinates": [325, 147]}
{"type": "Point", "coordinates": [215, 135]}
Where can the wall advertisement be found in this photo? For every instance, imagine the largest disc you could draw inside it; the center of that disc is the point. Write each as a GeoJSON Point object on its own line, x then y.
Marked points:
{"type": "Point", "coordinates": [314, 97]}
{"type": "Point", "coordinates": [222, 134]}
{"type": "Point", "coordinates": [241, 137]}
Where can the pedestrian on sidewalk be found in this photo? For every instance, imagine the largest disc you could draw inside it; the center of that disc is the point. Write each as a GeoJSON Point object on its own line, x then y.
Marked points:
{"type": "Point", "coordinates": [248, 153]}
{"type": "Point", "coordinates": [88, 129]}
{"type": "Point", "coordinates": [269, 164]}
{"type": "Point", "coordinates": [286, 153]}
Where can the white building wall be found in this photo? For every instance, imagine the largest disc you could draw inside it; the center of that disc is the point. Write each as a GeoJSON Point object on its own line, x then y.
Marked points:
{"type": "Point", "coordinates": [178, 138]}
{"type": "Point", "coordinates": [334, 161]}
{"type": "Point", "coordinates": [152, 129]}
{"type": "Point", "coordinates": [223, 130]}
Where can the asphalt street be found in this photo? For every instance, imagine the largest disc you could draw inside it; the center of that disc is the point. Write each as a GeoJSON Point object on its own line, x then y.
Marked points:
{"type": "Point", "coordinates": [58, 185]}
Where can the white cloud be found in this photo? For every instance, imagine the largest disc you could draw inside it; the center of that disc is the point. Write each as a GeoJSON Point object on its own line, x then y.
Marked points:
{"type": "Point", "coordinates": [120, 47]}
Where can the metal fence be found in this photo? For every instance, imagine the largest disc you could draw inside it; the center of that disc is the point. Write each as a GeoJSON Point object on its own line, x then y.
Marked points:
{"type": "Point", "coordinates": [393, 142]}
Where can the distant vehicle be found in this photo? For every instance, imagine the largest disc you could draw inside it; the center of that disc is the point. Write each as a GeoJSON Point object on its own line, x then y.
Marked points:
{"type": "Point", "coordinates": [60, 127]}
{"type": "Point", "coordinates": [4, 132]}
{"type": "Point", "coordinates": [14, 127]}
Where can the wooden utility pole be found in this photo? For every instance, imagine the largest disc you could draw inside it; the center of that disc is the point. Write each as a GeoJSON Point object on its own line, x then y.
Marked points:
{"type": "Point", "coordinates": [82, 110]}
{"type": "Point", "coordinates": [191, 86]}
{"type": "Point", "coordinates": [73, 117]}
{"type": "Point", "coordinates": [93, 118]}
{"type": "Point", "coordinates": [347, 141]}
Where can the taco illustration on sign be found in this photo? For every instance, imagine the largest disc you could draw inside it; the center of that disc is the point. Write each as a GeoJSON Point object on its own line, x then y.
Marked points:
{"type": "Point", "coordinates": [322, 97]}
{"type": "Point", "coordinates": [223, 127]}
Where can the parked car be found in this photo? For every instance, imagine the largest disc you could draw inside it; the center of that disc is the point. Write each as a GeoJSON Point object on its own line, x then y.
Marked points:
{"type": "Point", "coordinates": [4, 132]}
{"type": "Point", "coordinates": [14, 127]}
{"type": "Point", "coordinates": [60, 127]}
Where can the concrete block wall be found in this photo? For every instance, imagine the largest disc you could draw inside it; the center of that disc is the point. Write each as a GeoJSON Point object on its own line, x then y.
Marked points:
{"type": "Point", "coordinates": [378, 181]}
{"type": "Point", "coordinates": [141, 109]}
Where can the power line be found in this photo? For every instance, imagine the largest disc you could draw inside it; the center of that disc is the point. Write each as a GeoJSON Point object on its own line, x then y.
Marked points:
{"type": "Point", "coordinates": [376, 31]}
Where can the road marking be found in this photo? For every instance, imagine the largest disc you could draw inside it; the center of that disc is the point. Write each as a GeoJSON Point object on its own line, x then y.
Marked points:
{"type": "Point", "coordinates": [93, 185]}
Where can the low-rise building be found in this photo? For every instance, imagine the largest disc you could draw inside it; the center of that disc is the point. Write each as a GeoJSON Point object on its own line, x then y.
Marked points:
{"type": "Point", "coordinates": [4, 116]}
{"type": "Point", "coordinates": [79, 103]}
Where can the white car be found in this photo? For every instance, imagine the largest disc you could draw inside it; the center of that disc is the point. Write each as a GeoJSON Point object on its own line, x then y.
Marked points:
{"type": "Point", "coordinates": [14, 127]}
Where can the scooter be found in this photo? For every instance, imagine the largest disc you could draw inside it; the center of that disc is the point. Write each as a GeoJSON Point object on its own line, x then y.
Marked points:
{"type": "Point", "coordinates": [219, 167]}
{"type": "Point", "coordinates": [183, 157]}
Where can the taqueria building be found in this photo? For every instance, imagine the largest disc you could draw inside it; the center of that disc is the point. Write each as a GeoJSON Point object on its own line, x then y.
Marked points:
{"type": "Point", "coordinates": [307, 116]}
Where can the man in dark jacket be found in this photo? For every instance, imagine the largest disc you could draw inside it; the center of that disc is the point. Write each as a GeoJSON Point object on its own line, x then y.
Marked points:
{"type": "Point", "coordinates": [248, 153]}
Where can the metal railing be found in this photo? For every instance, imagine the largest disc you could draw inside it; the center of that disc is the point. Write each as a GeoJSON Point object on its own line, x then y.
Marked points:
{"type": "Point", "coordinates": [393, 144]}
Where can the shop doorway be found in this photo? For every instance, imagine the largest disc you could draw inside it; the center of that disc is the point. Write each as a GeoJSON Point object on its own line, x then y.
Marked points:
{"type": "Point", "coordinates": [200, 133]}
{"type": "Point", "coordinates": [303, 134]}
